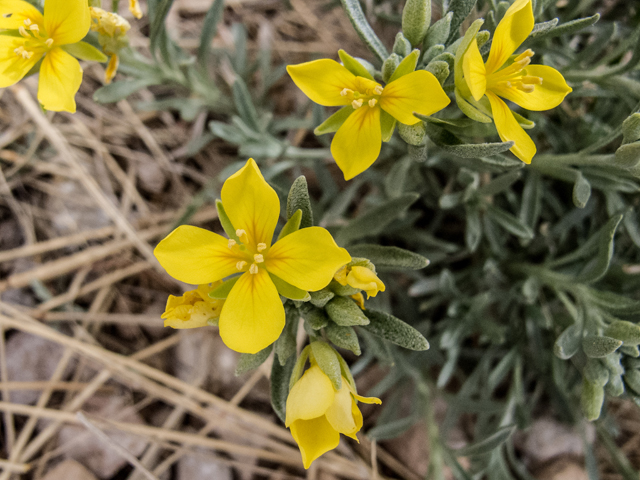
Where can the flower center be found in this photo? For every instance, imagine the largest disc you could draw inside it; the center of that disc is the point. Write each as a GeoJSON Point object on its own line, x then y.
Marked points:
{"type": "Point", "coordinates": [367, 93]}
{"type": "Point", "coordinates": [35, 40]}
{"type": "Point", "coordinates": [252, 254]}
{"type": "Point", "coordinates": [514, 76]}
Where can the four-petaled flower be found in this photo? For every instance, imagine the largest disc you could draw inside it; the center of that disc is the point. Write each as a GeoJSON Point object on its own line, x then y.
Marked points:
{"type": "Point", "coordinates": [253, 315]}
{"type": "Point", "coordinates": [64, 22]}
{"type": "Point", "coordinates": [533, 87]}
{"type": "Point", "coordinates": [317, 413]}
{"type": "Point", "coordinates": [369, 108]}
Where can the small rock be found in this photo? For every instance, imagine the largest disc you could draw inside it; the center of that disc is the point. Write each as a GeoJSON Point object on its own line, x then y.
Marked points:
{"type": "Point", "coordinates": [151, 177]}
{"type": "Point", "coordinates": [69, 470]}
{"type": "Point", "coordinates": [30, 359]}
{"type": "Point", "coordinates": [563, 470]}
{"type": "Point", "coordinates": [547, 439]}
{"type": "Point", "coordinates": [92, 451]}
{"type": "Point", "coordinates": [195, 467]}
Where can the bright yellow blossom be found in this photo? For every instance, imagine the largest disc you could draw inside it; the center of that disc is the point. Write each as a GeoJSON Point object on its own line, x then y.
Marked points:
{"type": "Point", "coordinates": [193, 309]}
{"type": "Point", "coordinates": [533, 87]}
{"type": "Point", "coordinates": [40, 37]}
{"type": "Point", "coordinates": [359, 277]}
{"type": "Point", "coordinates": [317, 413]}
{"type": "Point", "coordinates": [371, 108]}
{"type": "Point", "coordinates": [112, 35]}
{"type": "Point", "coordinates": [253, 315]}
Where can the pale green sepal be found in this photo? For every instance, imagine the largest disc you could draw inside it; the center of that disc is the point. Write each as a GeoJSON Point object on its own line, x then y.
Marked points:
{"type": "Point", "coordinates": [463, 47]}
{"type": "Point", "coordinates": [406, 66]}
{"type": "Point", "coordinates": [387, 124]}
{"type": "Point", "coordinates": [289, 291]}
{"type": "Point", "coordinates": [401, 45]}
{"type": "Point", "coordinates": [292, 225]}
{"type": "Point", "coordinates": [335, 121]}
{"type": "Point", "coordinates": [389, 67]}
{"type": "Point", "coordinates": [470, 111]}
{"type": "Point", "coordinates": [227, 226]}
{"type": "Point", "coordinates": [416, 18]}
{"type": "Point", "coordinates": [85, 51]}
{"type": "Point", "coordinates": [298, 368]}
{"type": "Point", "coordinates": [327, 359]}
{"type": "Point", "coordinates": [298, 199]}
{"type": "Point", "coordinates": [524, 122]}
{"type": "Point", "coordinates": [353, 65]}
{"type": "Point", "coordinates": [223, 290]}
{"type": "Point", "coordinates": [346, 372]}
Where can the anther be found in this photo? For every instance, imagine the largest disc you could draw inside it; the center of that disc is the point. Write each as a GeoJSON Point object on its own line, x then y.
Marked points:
{"type": "Point", "coordinates": [378, 90]}
{"type": "Point", "coordinates": [372, 102]}
{"type": "Point", "coordinates": [253, 269]}
{"type": "Point", "coordinates": [526, 54]}
{"type": "Point", "coordinates": [34, 28]}
{"type": "Point", "coordinates": [49, 42]}
{"type": "Point", "coordinates": [261, 246]}
{"type": "Point", "coordinates": [526, 88]}
{"type": "Point", "coordinates": [345, 92]}
{"type": "Point", "coordinates": [357, 103]}
{"type": "Point", "coordinates": [258, 258]}
{"type": "Point", "coordinates": [531, 80]}
{"type": "Point", "coordinates": [27, 21]}
{"type": "Point", "coordinates": [231, 243]}
{"type": "Point", "coordinates": [241, 264]}
{"type": "Point", "coordinates": [242, 235]}
{"type": "Point", "coordinates": [23, 32]}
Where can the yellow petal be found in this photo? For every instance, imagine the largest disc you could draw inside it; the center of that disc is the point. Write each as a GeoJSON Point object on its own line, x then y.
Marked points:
{"type": "Point", "coordinates": [314, 437]}
{"type": "Point", "coordinates": [339, 413]}
{"type": "Point", "coordinates": [357, 418]}
{"type": "Point", "coordinates": [252, 317]}
{"type": "Point", "coordinates": [66, 21]}
{"type": "Point", "coordinates": [357, 142]}
{"type": "Point", "coordinates": [365, 279]}
{"type": "Point", "coordinates": [341, 276]}
{"type": "Point", "coordinates": [544, 97]}
{"type": "Point", "coordinates": [195, 255]}
{"type": "Point", "coordinates": [474, 71]}
{"type": "Point", "coordinates": [251, 204]}
{"type": "Point", "coordinates": [310, 396]}
{"type": "Point", "coordinates": [13, 13]}
{"type": "Point", "coordinates": [323, 80]}
{"type": "Point", "coordinates": [513, 29]}
{"type": "Point", "coordinates": [60, 79]}
{"type": "Point", "coordinates": [418, 92]}
{"type": "Point", "coordinates": [112, 68]}
{"type": "Point", "coordinates": [134, 8]}
{"type": "Point", "coordinates": [13, 67]}
{"type": "Point", "coordinates": [307, 258]}
{"type": "Point", "coordinates": [509, 129]}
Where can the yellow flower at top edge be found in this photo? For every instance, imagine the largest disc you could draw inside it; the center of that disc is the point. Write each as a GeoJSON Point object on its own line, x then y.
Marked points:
{"type": "Point", "coordinates": [532, 87]}
{"type": "Point", "coordinates": [134, 8]}
{"type": "Point", "coordinates": [112, 35]}
{"type": "Point", "coordinates": [317, 413]}
{"type": "Point", "coordinates": [253, 316]}
{"type": "Point", "coordinates": [369, 107]}
{"type": "Point", "coordinates": [193, 309]}
{"type": "Point", "coordinates": [40, 37]}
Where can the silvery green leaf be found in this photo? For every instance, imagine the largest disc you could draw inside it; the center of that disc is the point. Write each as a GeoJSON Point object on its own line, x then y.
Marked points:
{"type": "Point", "coordinates": [389, 67]}
{"type": "Point", "coordinates": [401, 45]}
{"type": "Point", "coordinates": [627, 332]}
{"type": "Point", "coordinates": [615, 386]}
{"type": "Point", "coordinates": [581, 191]}
{"type": "Point", "coordinates": [394, 257]}
{"type": "Point", "coordinates": [568, 343]}
{"type": "Point", "coordinates": [321, 297]}
{"type": "Point", "coordinates": [116, 91]}
{"type": "Point", "coordinates": [567, 28]}
{"type": "Point", "coordinates": [395, 330]}
{"type": "Point", "coordinates": [631, 128]}
{"type": "Point", "coordinates": [509, 222]}
{"type": "Point", "coordinates": [416, 18]}
{"type": "Point", "coordinates": [439, 69]}
{"type": "Point", "coordinates": [244, 104]}
{"type": "Point", "coordinates": [438, 33]}
{"type": "Point", "coordinates": [343, 337]}
{"type": "Point", "coordinates": [488, 444]}
{"type": "Point", "coordinates": [628, 156]}
{"type": "Point", "coordinates": [298, 199]}
{"type": "Point", "coordinates": [460, 10]}
{"type": "Point", "coordinates": [314, 316]}
{"type": "Point", "coordinates": [595, 372]}
{"type": "Point", "coordinates": [597, 268]}
{"type": "Point", "coordinates": [591, 399]}
{"type": "Point", "coordinates": [280, 377]}
{"type": "Point", "coordinates": [595, 346]}
{"type": "Point", "coordinates": [413, 134]}
{"type": "Point", "coordinates": [209, 30]}
{"type": "Point", "coordinates": [632, 379]}
{"type": "Point", "coordinates": [248, 361]}
{"type": "Point", "coordinates": [540, 28]}
{"type": "Point", "coordinates": [345, 312]}
{"type": "Point", "coordinates": [432, 53]}
{"type": "Point", "coordinates": [364, 30]}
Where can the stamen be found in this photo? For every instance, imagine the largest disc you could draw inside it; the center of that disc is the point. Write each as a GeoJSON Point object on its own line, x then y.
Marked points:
{"type": "Point", "coordinates": [21, 52]}
{"type": "Point", "coordinates": [526, 88]}
{"type": "Point", "coordinates": [23, 32]}
{"type": "Point", "coordinates": [231, 243]}
{"type": "Point", "coordinates": [49, 42]}
{"type": "Point", "coordinates": [34, 28]}
{"type": "Point", "coordinates": [241, 264]}
{"type": "Point", "coordinates": [242, 235]}
{"type": "Point", "coordinates": [526, 54]}
{"type": "Point", "coordinates": [345, 92]}
{"type": "Point", "coordinates": [357, 103]}
{"type": "Point", "coordinates": [27, 21]}
{"type": "Point", "coordinates": [531, 80]}
{"type": "Point", "coordinates": [372, 102]}
{"type": "Point", "coordinates": [253, 269]}
{"type": "Point", "coordinates": [258, 258]}
{"type": "Point", "coordinates": [262, 246]}
{"type": "Point", "coordinates": [378, 90]}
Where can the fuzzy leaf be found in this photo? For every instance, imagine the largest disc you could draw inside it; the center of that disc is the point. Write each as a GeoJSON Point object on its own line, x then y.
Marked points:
{"type": "Point", "coordinates": [366, 33]}
{"type": "Point", "coordinates": [343, 337]}
{"type": "Point", "coordinates": [488, 444]}
{"type": "Point", "coordinates": [568, 343]}
{"type": "Point", "coordinates": [314, 316]}
{"type": "Point", "coordinates": [394, 257]}
{"type": "Point", "coordinates": [327, 359]}
{"type": "Point", "coordinates": [597, 347]}
{"type": "Point", "coordinates": [438, 33]}
{"type": "Point", "coordinates": [591, 399]}
{"type": "Point", "coordinates": [395, 330]}
{"type": "Point", "coordinates": [248, 361]}
{"type": "Point", "coordinates": [321, 297]}
{"type": "Point", "coordinates": [627, 332]}
{"type": "Point", "coordinates": [280, 377]}
{"type": "Point", "coordinates": [298, 199]}
{"type": "Point", "coordinates": [344, 312]}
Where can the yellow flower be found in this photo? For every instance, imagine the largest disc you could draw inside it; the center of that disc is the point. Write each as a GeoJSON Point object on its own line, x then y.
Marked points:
{"type": "Point", "coordinates": [253, 315]}
{"type": "Point", "coordinates": [134, 8]}
{"type": "Point", "coordinates": [317, 413]}
{"type": "Point", "coordinates": [360, 277]}
{"type": "Point", "coordinates": [40, 37]}
{"type": "Point", "coordinates": [369, 108]}
{"type": "Point", "coordinates": [193, 309]}
{"type": "Point", "coordinates": [533, 87]}
{"type": "Point", "coordinates": [112, 35]}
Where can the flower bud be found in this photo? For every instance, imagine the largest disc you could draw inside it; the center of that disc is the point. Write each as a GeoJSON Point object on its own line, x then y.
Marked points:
{"type": "Point", "coordinates": [416, 18]}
